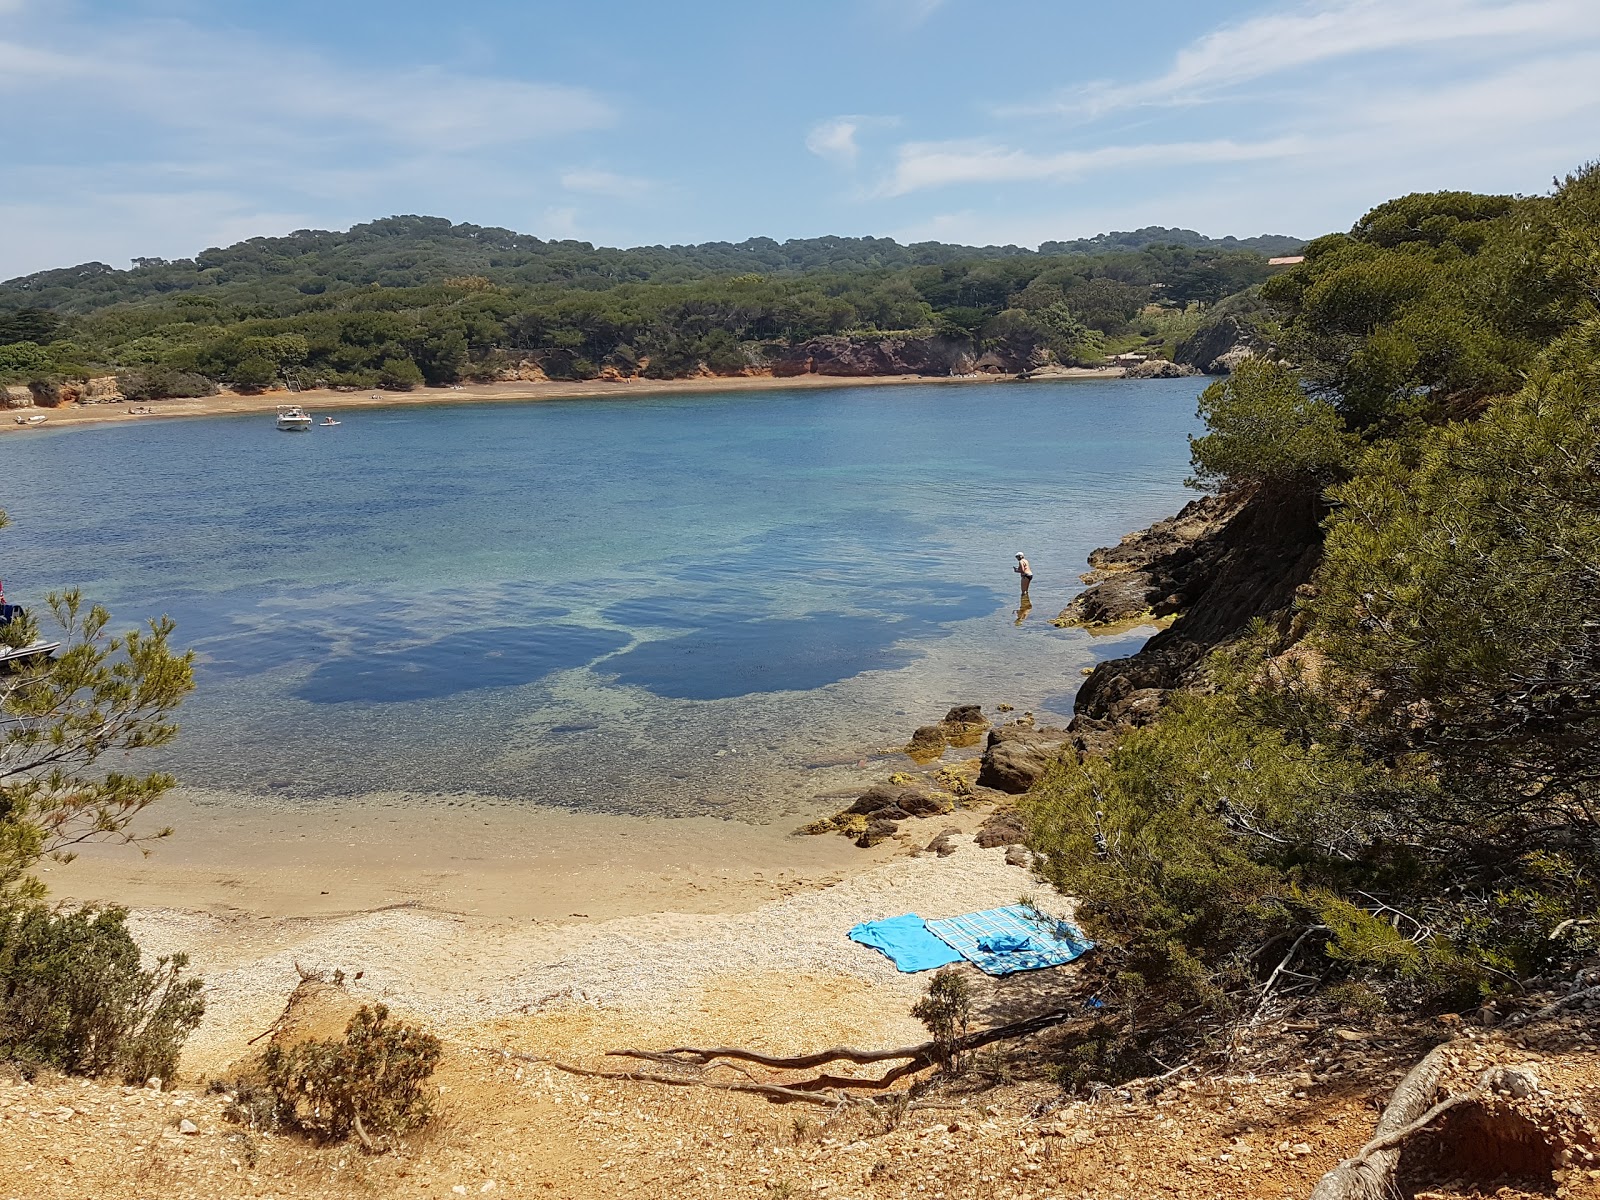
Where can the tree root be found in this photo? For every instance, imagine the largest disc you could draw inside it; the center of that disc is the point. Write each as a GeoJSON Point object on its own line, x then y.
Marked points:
{"type": "Point", "coordinates": [923, 1052]}
{"type": "Point", "coordinates": [770, 1090]}
{"type": "Point", "coordinates": [826, 1089]}
{"type": "Point", "coordinates": [1369, 1174]}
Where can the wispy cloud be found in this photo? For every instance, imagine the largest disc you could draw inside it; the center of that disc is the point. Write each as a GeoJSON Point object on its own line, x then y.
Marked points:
{"type": "Point", "coordinates": [608, 183]}
{"type": "Point", "coordinates": [1277, 43]}
{"type": "Point", "coordinates": [838, 139]}
{"type": "Point", "coordinates": [292, 96]}
{"type": "Point", "coordinates": [835, 140]}
{"type": "Point", "coordinates": [198, 138]}
{"type": "Point", "coordinates": [939, 164]}
{"type": "Point", "coordinates": [910, 13]}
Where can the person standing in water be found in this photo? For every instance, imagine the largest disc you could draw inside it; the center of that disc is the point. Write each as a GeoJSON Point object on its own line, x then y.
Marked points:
{"type": "Point", "coordinates": [1023, 569]}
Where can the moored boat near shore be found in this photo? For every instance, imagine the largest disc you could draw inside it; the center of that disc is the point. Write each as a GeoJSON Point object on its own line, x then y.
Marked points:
{"type": "Point", "coordinates": [293, 418]}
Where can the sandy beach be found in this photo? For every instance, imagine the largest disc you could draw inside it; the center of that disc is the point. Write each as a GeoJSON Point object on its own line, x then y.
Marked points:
{"type": "Point", "coordinates": [327, 400]}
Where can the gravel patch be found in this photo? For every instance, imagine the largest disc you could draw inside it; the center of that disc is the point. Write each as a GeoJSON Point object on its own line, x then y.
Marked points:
{"type": "Point", "coordinates": [453, 971]}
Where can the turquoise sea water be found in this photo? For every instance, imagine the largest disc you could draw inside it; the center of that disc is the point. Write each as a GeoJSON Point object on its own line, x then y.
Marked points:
{"type": "Point", "coordinates": [672, 605]}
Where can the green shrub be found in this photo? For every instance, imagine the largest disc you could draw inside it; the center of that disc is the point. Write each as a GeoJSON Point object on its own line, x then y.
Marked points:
{"type": "Point", "coordinates": [74, 995]}
{"type": "Point", "coordinates": [370, 1083]}
{"type": "Point", "coordinates": [163, 383]}
{"type": "Point", "coordinates": [1263, 427]}
{"type": "Point", "coordinates": [946, 1010]}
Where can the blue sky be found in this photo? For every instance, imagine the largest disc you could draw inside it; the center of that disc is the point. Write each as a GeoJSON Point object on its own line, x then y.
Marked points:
{"type": "Point", "coordinates": [160, 127]}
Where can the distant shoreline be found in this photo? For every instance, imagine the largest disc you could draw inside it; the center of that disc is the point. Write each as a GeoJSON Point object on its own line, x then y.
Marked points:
{"type": "Point", "coordinates": [228, 403]}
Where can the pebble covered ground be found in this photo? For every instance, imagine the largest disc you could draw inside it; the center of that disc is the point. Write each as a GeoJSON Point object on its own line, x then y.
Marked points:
{"type": "Point", "coordinates": [781, 977]}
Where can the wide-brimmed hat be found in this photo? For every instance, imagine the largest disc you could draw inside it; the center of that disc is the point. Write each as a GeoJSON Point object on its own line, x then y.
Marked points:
{"type": "Point", "coordinates": [1019, 554]}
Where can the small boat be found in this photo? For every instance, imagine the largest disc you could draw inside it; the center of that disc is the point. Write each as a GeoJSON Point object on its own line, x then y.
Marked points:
{"type": "Point", "coordinates": [293, 418]}
{"type": "Point", "coordinates": [326, 421]}
{"type": "Point", "coordinates": [18, 654]}
{"type": "Point", "coordinates": [34, 419]}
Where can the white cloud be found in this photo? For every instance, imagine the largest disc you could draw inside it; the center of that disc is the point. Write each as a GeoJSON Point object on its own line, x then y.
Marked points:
{"type": "Point", "coordinates": [558, 224]}
{"type": "Point", "coordinates": [1279, 42]}
{"type": "Point", "coordinates": [939, 164]}
{"type": "Point", "coordinates": [835, 140]}
{"type": "Point", "coordinates": [199, 138]}
{"type": "Point", "coordinates": [607, 183]}
{"type": "Point", "coordinates": [293, 97]}
{"type": "Point", "coordinates": [86, 222]}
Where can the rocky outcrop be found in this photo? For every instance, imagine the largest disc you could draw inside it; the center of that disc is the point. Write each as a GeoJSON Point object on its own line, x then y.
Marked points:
{"type": "Point", "coordinates": [1253, 552]}
{"type": "Point", "coordinates": [933, 354]}
{"type": "Point", "coordinates": [1018, 755]}
{"type": "Point", "coordinates": [526, 371]}
{"type": "Point", "coordinates": [1003, 827]}
{"type": "Point", "coordinates": [963, 725]}
{"type": "Point", "coordinates": [1155, 572]}
{"type": "Point", "coordinates": [1218, 347]}
{"type": "Point", "coordinates": [16, 396]}
{"type": "Point", "coordinates": [1160, 368]}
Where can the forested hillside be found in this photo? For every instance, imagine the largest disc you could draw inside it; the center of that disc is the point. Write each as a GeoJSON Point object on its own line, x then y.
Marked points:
{"type": "Point", "coordinates": [1382, 796]}
{"type": "Point", "coordinates": [413, 300]}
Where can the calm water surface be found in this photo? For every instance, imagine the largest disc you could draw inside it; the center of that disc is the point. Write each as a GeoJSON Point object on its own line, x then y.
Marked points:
{"type": "Point", "coordinates": [675, 605]}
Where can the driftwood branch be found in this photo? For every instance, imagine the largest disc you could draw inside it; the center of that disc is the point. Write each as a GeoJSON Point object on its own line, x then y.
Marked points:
{"type": "Point", "coordinates": [823, 1089]}
{"type": "Point", "coordinates": [772, 1090]}
{"type": "Point", "coordinates": [700, 1056]}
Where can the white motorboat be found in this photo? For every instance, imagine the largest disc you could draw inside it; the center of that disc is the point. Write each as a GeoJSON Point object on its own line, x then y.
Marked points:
{"type": "Point", "coordinates": [293, 418]}
{"type": "Point", "coordinates": [21, 654]}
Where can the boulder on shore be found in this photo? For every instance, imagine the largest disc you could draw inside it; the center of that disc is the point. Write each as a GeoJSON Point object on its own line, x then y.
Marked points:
{"type": "Point", "coordinates": [1003, 828]}
{"type": "Point", "coordinates": [1018, 755]}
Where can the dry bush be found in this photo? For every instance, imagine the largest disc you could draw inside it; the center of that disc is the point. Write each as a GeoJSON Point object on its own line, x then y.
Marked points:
{"type": "Point", "coordinates": [372, 1083]}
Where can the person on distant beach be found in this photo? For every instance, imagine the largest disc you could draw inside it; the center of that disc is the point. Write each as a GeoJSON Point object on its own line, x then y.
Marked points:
{"type": "Point", "coordinates": [1023, 569]}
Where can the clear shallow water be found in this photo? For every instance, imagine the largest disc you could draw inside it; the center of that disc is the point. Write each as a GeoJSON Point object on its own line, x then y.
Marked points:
{"type": "Point", "coordinates": [675, 605]}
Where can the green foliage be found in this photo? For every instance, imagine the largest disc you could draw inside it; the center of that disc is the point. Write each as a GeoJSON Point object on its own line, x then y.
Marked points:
{"type": "Point", "coordinates": [73, 995]}
{"type": "Point", "coordinates": [371, 1083]}
{"type": "Point", "coordinates": [163, 383]}
{"type": "Point", "coordinates": [1458, 598]}
{"type": "Point", "coordinates": [1264, 427]}
{"type": "Point", "coordinates": [946, 1010]}
{"type": "Point", "coordinates": [1401, 811]}
{"type": "Point", "coordinates": [25, 360]}
{"type": "Point", "coordinates": [29, 324]}
{"type": "Point", "coordinates": [414, 300]}
{"type": "Point", "coordinates": [100, 695]}
{"type": "Point", "coordinates": [1426, 301]}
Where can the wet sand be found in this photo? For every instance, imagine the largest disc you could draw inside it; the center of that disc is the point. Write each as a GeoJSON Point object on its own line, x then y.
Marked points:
{"type": "Point", "coordinates": [488, 859]}
{"type": "Point", "coordinates": [328, 401]}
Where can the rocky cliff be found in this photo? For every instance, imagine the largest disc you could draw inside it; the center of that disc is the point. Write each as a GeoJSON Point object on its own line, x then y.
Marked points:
{"type": "Point", "coordinates": [1216, 566]}
{"type": "Point", "coordinates": [933, 354]}
{"type": "Point", "coordinates": [1217, 348]}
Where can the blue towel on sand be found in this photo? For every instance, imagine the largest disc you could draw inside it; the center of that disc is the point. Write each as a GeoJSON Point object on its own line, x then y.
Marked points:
{"type": "Point", "coordinates": [1048, 942]}
{"type": "Point", "coordinates": [906, 942]}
